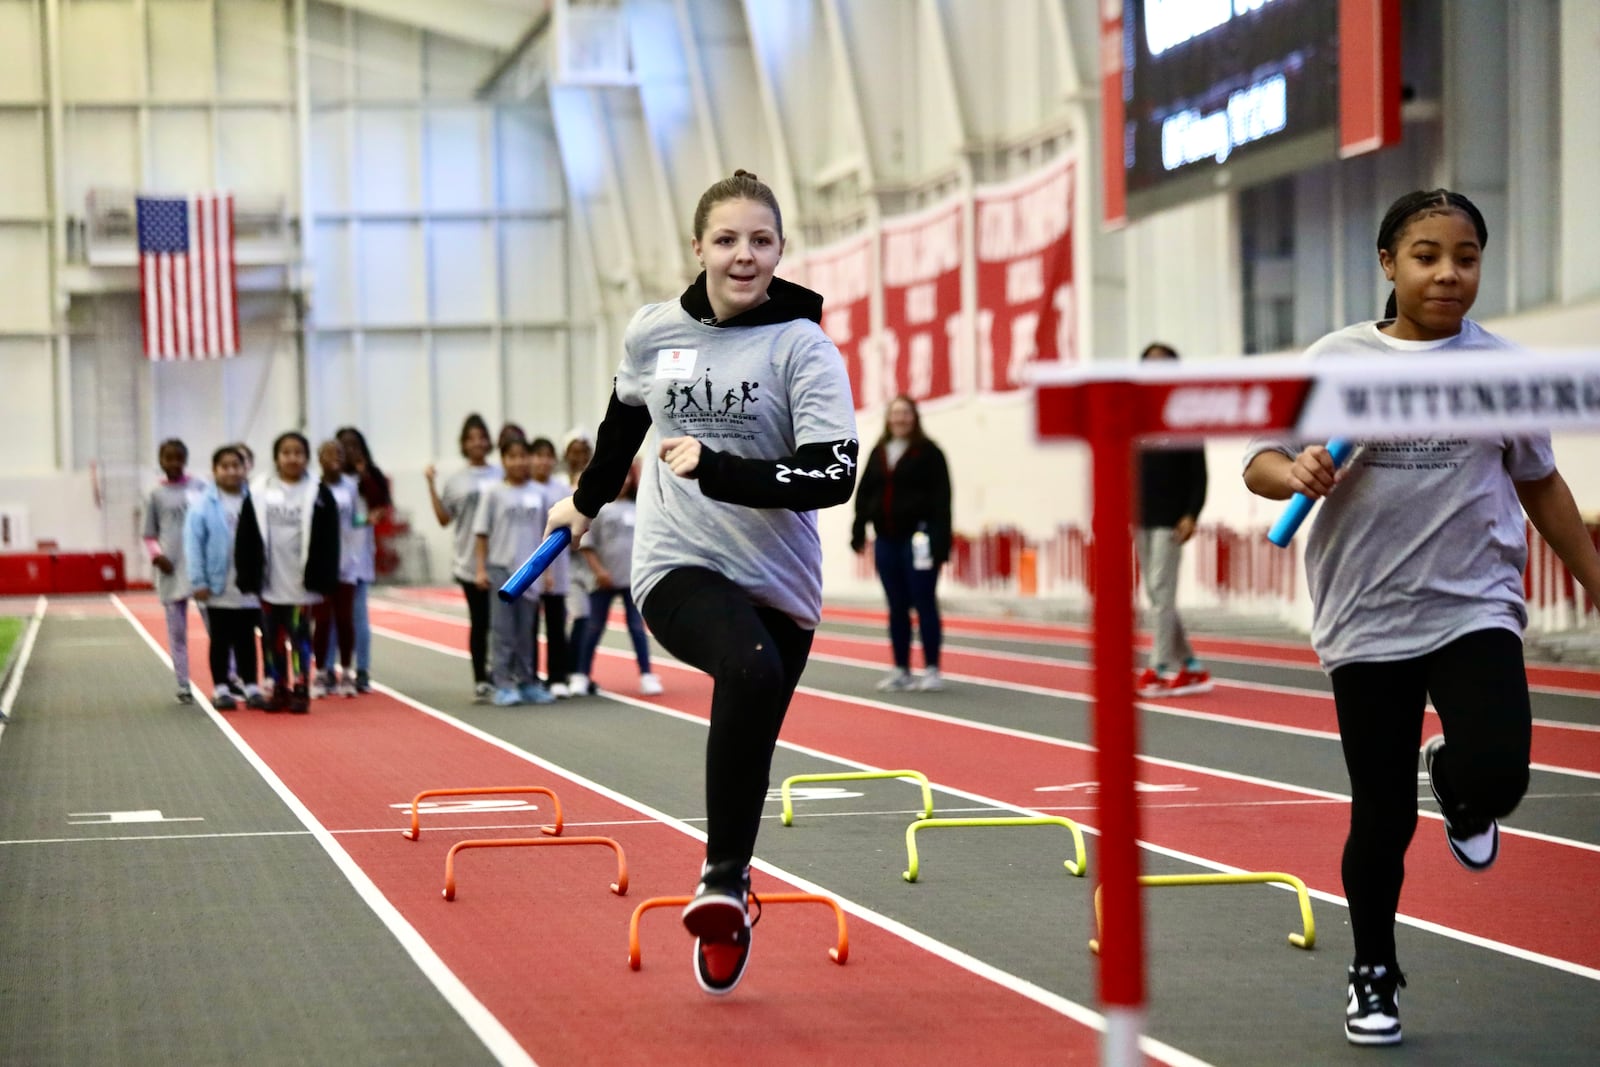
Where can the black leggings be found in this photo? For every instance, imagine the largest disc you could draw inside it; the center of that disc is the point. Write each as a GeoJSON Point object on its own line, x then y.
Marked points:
{"type": "Point", "coordinates": [557, 660]}
{"type": "Point", "coordinates": [478, 635]}
{"type": "Point", "coordinates": [233, 636]}
{"type": "Point", "coordinates": [755, 656]}
{"type": "Point", "coordinates": [1480, 690]}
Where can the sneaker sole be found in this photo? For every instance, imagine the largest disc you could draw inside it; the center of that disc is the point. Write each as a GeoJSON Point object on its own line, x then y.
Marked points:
{"type": "Point", "coordinates": [718, 990]}
{"type": "Point", "coordinates": [1356, 1037]}
{"type": "Point", "coordinates": [715, 919]}
{"type": "Point", "coordinates": [1428, 752]}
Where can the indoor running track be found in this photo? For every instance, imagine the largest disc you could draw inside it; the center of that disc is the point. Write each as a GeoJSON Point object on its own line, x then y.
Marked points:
{"type": "Point", "coordinates": [289, 921]}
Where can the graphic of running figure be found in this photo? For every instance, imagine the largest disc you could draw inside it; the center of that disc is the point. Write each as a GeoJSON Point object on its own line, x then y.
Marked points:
{"type": "Point", "coordinates": [672, 398]}
{"type": "Point", "coordinates": [746, 396]}
{"type": "Point", "coordinates": [687, 395]}
{"type": "Point", "coordinates": [728, 400]}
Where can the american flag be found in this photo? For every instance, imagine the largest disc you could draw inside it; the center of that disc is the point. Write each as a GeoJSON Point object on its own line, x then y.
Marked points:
{"type": "Point", "coordinates": [186, 277]}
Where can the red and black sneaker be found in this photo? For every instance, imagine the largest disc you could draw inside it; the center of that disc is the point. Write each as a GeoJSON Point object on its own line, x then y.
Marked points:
{"type": "Point", "coordinates": [719, 918]}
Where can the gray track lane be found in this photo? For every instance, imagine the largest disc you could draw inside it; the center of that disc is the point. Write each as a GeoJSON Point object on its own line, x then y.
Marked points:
{"type": "Point", "coordinates": [125, 943]}
{"type": "Point", "coordinates": [1225, 985]}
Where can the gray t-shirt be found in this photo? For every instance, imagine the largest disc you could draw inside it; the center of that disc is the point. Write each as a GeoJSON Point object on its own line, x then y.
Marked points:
{"type": "Point", "coordinates": [556, 578]}
{"type": "Point", "coordinates": [284, 512]}
{"type": "Point", "coordinates": [346, 494]}
{"type": "Point", "coordinates": [513, 517]}
{"type": "Point", "coordinates": [1424, 540]}
{"type": "Point", "coordinates": [611, 538]}
{"type": "Point", "coordinates": [164, 512]}
{"type": "Point", "coordinates": [758, 392]}
{"type": "Point", "coordinates": [460, 499]}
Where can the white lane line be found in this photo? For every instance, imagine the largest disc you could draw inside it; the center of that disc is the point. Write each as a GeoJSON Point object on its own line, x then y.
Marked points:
{"type": "Point", "coordinates": [496, 1038]}
{"type": "Point", "coordinates": [24, 652]}
{"type": "Point", "coordinates": [1038, 994]}
{"type": "Point", "coordinates": [1501, 947]}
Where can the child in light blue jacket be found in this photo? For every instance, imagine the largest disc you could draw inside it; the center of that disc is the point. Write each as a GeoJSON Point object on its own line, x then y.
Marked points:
{"type": "Point", "coordinates": [209, 531]}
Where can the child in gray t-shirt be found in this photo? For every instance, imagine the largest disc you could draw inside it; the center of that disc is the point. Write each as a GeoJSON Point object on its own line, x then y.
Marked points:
{"type": "Point", "coordinates": [165, 510]}
{"type": "Point", "coordinates": [456, 504]}
{"type": "Point", "coordinates": [508, 525]}
{"type": "Point", "coordinates": [1415, 566]}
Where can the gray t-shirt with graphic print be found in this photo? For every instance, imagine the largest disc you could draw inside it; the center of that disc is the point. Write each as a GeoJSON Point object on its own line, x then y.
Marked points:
{"type": "Point", "coordinates": [758, 392]}
{"type": "Point", "coordinates": [1424, 540]}
{"type": "Point", "coordinates": [460, 499]}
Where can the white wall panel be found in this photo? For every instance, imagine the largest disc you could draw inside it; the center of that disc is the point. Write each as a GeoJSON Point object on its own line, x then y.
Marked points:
{"type": "Point", "coordinates": [331, 59]}
{"type": "Point", "coordinates": [534, 255]}
{"type": "Point", "coordinates": [462, 270]}
{"type": "Point", "coordinates": [334, 383]}
{"type": "Point", "coordinates": [185, 406]}
{"type": "Point", "coordinates": [391, 279]}
{"type": "Point", "coordinates": [25, 268]}
{"type": "Point", "coordinates": [21, 55]}
{"type": "Point", "coordinates": [454, 69]}
{"type": "Point", "coordinates": [466, 377]}
{"type": "Point", "coordinates": [22, 144]}
{"type": "Point", "coordinates": [530, 161]}
{"type": "Point", "coordinates": [182, 49]}
{"type": "Point", "coordinates": [330, 160]}
{"type": "Point", "coordinates": [389, 64]}
{"type": "Point", "coordinates": [261, 386]}
{"type": "Point", "coordinates": [537, 381]}
{"type": "Point", "coordinates": [27, 405]}
{"type": "Point", "coordinates": [256, 151]}
{"type": "Point", "coordinates": [397, 406]}
{"type": "Point", "coordinates": [459, 172]}
{"type": "Point", "coordinates": [335, 297]}
{"type": "Point", "coordinates": [102, 150]}
{"type": "Point", "coordinates": [102, 50]}
{"type": "Point", "coordinates": [388, 158]}
{"type": "Point", "coordinates": [180, 150]}
{"type": "Point", "coordinates": [256, 58]}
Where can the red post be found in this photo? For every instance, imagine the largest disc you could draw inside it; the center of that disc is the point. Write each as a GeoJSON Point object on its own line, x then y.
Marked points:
{"type": "Point", "coordinates": [1108, 407]}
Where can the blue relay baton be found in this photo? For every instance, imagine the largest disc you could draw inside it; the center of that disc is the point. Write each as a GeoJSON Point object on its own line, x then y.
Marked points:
{"type": "Point", "coordinates": [1288, 523]}
{"type": "Point", "coordinates": [542, 557]}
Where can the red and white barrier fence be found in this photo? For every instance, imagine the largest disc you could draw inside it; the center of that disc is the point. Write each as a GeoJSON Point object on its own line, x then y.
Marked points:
{"type": "Point", "coordinates": [1228, 568]}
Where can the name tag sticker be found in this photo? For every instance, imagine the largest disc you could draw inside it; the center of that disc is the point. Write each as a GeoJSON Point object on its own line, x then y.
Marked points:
{"type": "Point", "coordinates": [676, 362]}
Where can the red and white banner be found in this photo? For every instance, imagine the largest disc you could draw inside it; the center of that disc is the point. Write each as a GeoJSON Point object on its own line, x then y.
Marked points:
{"type": "Point", "coordinates": [922, 321]}
{"type": "Point", "coordinates": [842, 273]}
{"type": "Point", "coordinates": [1026, 301]}
{"type": "Point", "coordinates": [186, 276]}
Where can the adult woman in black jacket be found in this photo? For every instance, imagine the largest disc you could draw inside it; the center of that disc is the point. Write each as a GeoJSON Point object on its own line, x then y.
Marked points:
{"type": "Point", "coordinates": [904, 493]}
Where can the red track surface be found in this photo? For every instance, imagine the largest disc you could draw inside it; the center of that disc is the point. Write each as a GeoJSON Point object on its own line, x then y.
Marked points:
{"type": "Point", "coordinates": [540, 941]}
{"type": "Point", "coordinates": [1303, 839]}
{"type": "Point", "coordinates": [1552, 745]}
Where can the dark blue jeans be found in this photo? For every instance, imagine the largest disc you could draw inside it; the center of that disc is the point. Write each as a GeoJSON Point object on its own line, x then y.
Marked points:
{"type": "Point", "coordinates": [600, 607]}
{"type": "Point", "coordinates": [908, 588]}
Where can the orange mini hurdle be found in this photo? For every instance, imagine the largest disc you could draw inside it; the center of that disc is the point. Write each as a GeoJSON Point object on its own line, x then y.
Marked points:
{"type": "Point", "coordinates": [416, 816]}
{"type": "Point", "coordinates": [839, 953]}
{"type": "Point", "coordinates": [619, 887]}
